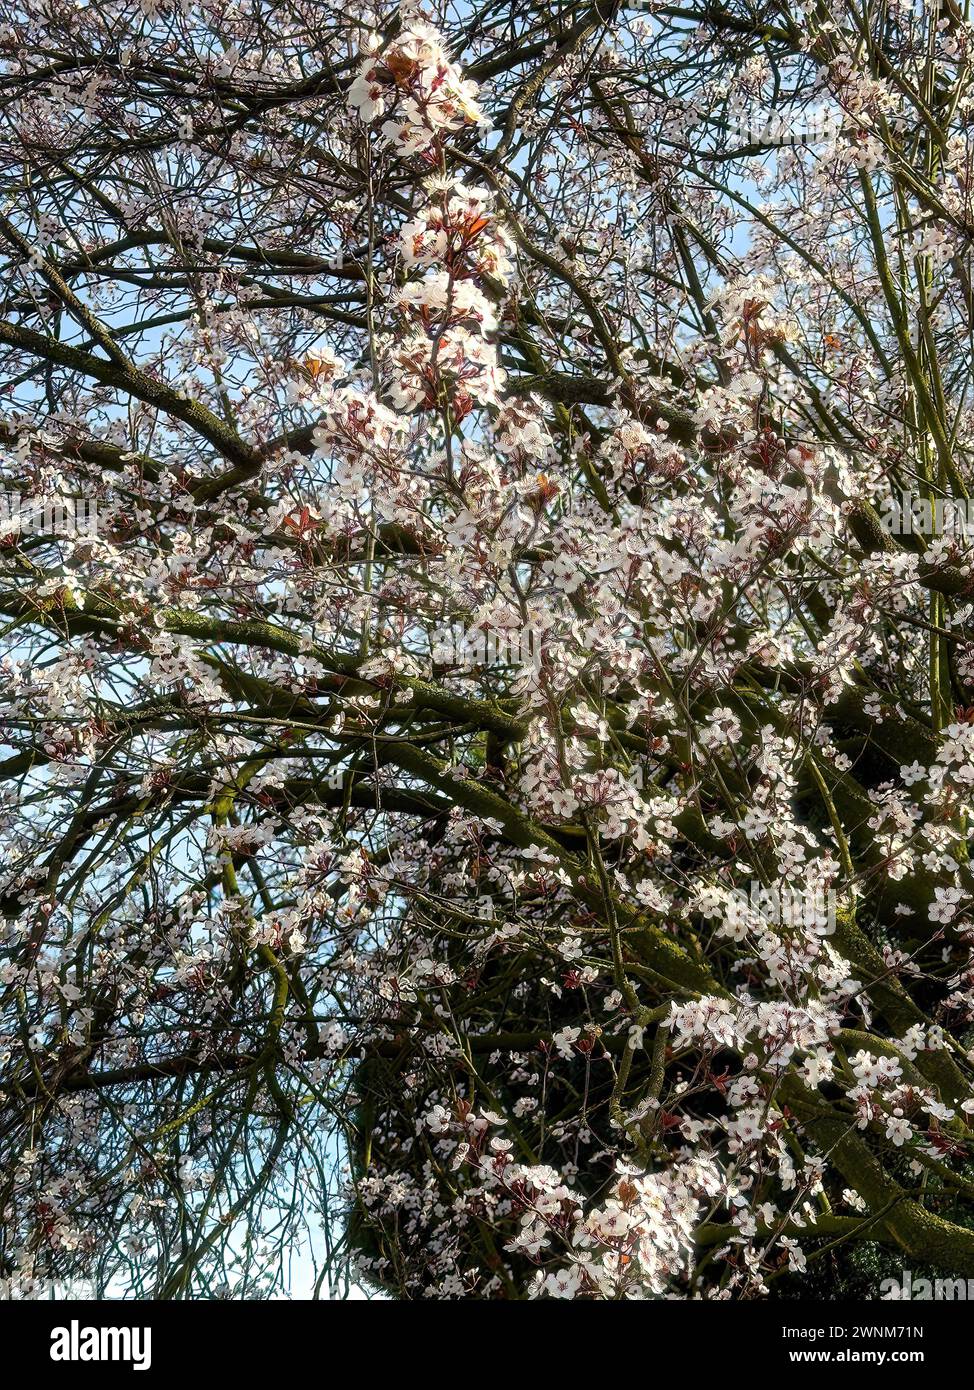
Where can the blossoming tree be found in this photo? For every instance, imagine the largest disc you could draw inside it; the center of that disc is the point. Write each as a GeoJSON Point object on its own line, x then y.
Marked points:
{"type": "Point", "coordinates": [486, 792]}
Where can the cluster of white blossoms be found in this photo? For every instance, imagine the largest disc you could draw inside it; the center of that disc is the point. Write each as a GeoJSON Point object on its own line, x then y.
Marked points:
{"type": "Point", "coordinates": [458, 228]}
{"type": "Point", "coordinates": [520, 430]}
{"type": "Point", "coordinates": [367, 442]}
{"type": "Point", "coordinates": [632, 1245]}
{"type": "Point", "coordinates": [444, 360]}
{"type": "Point", "coordinates": [413, 83]}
